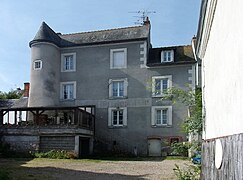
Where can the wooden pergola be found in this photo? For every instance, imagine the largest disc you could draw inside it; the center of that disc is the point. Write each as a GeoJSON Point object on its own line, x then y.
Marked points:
{"type": "Point", "coordinates": [81, 116]}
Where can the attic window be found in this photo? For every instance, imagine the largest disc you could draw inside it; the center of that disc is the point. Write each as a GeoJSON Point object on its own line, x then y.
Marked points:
{"type": "Point", "coordinates": [37, 65]}
{"type": "Point", "coordinates": [118, 58]}
{"type": "Point", "coordinates": [167, 56]}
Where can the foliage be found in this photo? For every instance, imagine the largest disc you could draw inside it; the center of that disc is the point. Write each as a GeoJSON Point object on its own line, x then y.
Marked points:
{"type": "Point", "coordinates": [177, 158]}
{"type": "Point", "coordinates": [13, 94]}
{"type": "Point", "coordinates": [56, 154]}
{"type": "Point", "coordinates": [193, 100]}
{"type": "Point", "coordinates": [4, 175]}
{"type": "Point", "coordinates": [181, 148]}
{"type": "Point", "coordinates": [191, 173]}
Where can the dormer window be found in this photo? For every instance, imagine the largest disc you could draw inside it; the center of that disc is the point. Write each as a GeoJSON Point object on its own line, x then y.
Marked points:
{"type": "Point", "coordinates": [167, 56]}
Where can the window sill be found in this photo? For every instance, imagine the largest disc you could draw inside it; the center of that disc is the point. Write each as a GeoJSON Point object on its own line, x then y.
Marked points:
{"type": "Point", "coordinates": [123, 97]}
{"type": "Point", "coordinates": [118, 67]}
{"type": "Point", "coordinates": [164, 62]}
{"type": "Point", "coordinates": [161, 126]}
{"type": "Point", "coordinates": [159, 96]}
{"type": "Point", "coordinates": [68, 71]}
{"type": "Point", "coordinates": [117, 127]}
{"type": "Point", "coordinates": [67, 100]}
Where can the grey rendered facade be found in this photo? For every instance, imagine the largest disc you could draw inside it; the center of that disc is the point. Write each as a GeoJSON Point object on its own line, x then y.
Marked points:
{"type": "Point", "coordinates": [125, 122]}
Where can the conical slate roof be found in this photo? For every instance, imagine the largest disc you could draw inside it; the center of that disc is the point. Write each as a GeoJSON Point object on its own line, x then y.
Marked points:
{"type": "Point", "coordinates": [46, 34]}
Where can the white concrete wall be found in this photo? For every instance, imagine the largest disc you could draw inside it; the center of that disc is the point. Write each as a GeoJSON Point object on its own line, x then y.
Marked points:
{"type": "Point", "coordinates": [223, 71]}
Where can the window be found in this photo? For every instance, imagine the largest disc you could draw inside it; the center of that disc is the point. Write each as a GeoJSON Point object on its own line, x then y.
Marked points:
{"type": "Point", "coordinates": [68, 62]}
{"type": "Point", "coordinates": [37, 65]}
{"type": "Point", "coordinates": [162, 115]}
{"type": "Point", "coordinates": [68, 90]}
{"type": "Point", "coordinates": [118, 58]}
{"type": "Point", "coordinates": [160, 85]}
{"type": "Point", "coordinates": [167, 56]}
{"type": "Point", "coordinates": [118, 88]}
{"type": "Point", "coordinates": [117, 116]}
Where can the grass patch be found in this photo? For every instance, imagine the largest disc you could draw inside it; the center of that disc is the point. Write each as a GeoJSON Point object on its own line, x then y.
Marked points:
{"type": "Point", "coordinates": [177, 158]}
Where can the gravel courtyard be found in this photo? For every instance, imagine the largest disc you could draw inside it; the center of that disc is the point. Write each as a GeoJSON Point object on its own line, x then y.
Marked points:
{"type": "Point", "coordinates": [90, 169]}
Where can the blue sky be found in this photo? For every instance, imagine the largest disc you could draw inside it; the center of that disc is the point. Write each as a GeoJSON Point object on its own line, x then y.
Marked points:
{"type": "Point", "coordinates": [174, 23]}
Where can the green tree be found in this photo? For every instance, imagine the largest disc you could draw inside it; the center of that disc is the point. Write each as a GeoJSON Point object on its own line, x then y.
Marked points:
{"type": "Point", "coordinates": [193, 100]}
{"type": "Point", "coordinates": [12, 94]}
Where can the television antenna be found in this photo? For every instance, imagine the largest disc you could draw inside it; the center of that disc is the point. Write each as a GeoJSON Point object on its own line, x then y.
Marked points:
{"type": "Point", "coordinates": [142, 15]}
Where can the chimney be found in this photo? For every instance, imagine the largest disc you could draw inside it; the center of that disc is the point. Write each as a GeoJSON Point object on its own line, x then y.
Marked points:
{"type": "Point", "coordinates": [26, 89]}
{"type": "Point", "coordinates": [146, 21]}
{"type": "Point", "coordinates": [194, 39]}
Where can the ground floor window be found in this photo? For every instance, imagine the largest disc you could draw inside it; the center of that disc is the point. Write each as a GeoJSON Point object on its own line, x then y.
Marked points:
{"type": "Point", "coordinates": [117, 117]}
{"type": "Point", "coordinates": [161, 116]}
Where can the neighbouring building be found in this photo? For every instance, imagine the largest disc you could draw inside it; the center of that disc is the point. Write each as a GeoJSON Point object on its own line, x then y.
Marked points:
{"type": "Point", "coordinates": [219, 46]}
{"type": "Point", "coordinates": [119, 75]}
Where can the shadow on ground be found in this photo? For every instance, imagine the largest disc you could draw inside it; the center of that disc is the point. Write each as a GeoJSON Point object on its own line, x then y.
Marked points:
{"type": "Point", "coordinates": [17, 170]}
{"type": "Point", "coordinates": [152, 159]}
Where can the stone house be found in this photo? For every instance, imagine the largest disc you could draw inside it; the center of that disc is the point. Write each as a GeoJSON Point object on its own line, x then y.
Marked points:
{"type": "Point", "coordinates": [120, 75]}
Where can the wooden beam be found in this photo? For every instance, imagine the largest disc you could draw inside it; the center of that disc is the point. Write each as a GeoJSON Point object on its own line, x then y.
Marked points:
{"type": "Point", "coordinates": [5, 112]}
{"type": "Point", "coordinates": [15, 117]}
{"type": "Point", "coordinates": [1, 117]}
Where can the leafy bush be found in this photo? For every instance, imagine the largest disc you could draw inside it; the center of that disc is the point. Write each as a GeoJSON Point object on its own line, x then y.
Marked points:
{"type": "Point", "coordinates": [56, 154]}
{"type": "Point", "coordinates": [191, 173]}
{"type": "Point", "coordinates": [180, 148]}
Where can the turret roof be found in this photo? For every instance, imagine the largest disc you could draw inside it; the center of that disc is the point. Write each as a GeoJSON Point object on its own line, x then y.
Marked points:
{"type": "Point", "coordinates": [46, 34]}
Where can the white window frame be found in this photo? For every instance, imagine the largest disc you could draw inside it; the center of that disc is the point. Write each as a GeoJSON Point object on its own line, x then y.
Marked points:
{"type": "Point", "coordinates": [37, 61]}
{"type": "Point", "coordinates": [62, 90]}
{"type": "Point", "coordinates": [165, 60]}
{"type": "Point", "coordinates": [110, 116]}
{"type": "Point", "coordinates": [154, 116]}
{"type": "Point", "coordinates": [125, 85]}
{"type": "Point", "coordinates": [112, 51]}
{"type": "Point", "coordinates": [63, 62]}
{"type": "Point", "coordinates": [169, 85]}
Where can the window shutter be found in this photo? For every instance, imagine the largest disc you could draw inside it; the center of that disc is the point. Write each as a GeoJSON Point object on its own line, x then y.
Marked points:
{"type": "Point", "coordinates": [125, 117]}
{"type": "Point", "coordinates": [118, 59]}
{"type": "Point", "coordinates": [109, 117]}
{"type": "Point", "coordinates": [153, 117]}
{"type": "Point", "coordinates": [162, 56]}
{"type": "Point", "coordinates": [110, 88]}
{"type": "Point", "coordinates": [170, 115]}
{"type": "Point", "coordinates": [172, 55]}
{"type": "Point", "coordinates": [125, 86]}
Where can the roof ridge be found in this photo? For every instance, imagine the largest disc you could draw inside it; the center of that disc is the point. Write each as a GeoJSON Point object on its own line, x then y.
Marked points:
{"type": "Point", "coordinates": [103, 30]}
{"type": "Point", "coordinates": [171, 46]}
